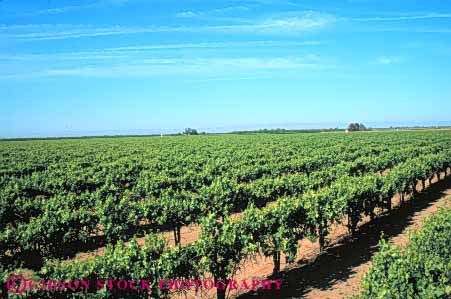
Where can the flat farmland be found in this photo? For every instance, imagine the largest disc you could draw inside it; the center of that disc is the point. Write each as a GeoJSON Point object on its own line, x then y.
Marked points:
{"type": "Point", "coordinates": [222, 208]}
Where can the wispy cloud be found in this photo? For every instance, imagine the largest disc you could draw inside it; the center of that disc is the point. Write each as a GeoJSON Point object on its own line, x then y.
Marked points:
{"type": "Point", "coordinates": [306, 22]}
{"type": "Point", "coordinates": [216, 11]}
{"type": "Point", "coordinates": [187, 14]}
{"type": "Point", "coordinates": [46, 32]}
{"type": "Point", "coordinates": [391, 23]}
{"type": "Point", "coordinates": [387, 60]}
{"type": "Point", "coordinates": [138, 51]}
{"type": "Point", "coordinates": [411, 29]}
{"type": "Point", "coordinates": [242, 66]}
{"type": "Point", "coordinates": [70, 8]}
{"type": "Point", "coordinates": [294, 24]}
{"type": "Point", "coordinates": [410, 16]}
{"type": "Point", "coordinates": [57, 10]}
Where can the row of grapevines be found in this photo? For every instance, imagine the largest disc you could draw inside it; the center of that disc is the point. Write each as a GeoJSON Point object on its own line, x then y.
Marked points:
{"type": "Point", "coordinates": [119, 217]}
{"type": "Point", "coordinates": [223, 244]}
{"type": "Point", "coordinates": [421, 270]}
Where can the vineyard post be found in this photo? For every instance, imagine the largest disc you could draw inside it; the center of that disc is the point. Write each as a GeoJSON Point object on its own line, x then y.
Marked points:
{"type": "Point", "coordinates": [389, 202]}
{"type": "Point", "coordinates": [177, 235]}
{"type": "Point", "coordinates": [221, 291]}
{"type": "Point", "coordinates": [321, 240]}
{"type": "Point", "coordinates": [352, 220]}
{"type": "Point", "coordinates": [276, 260]}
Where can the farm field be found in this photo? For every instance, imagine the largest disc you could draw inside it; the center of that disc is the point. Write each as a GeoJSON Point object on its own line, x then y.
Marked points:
{"type": "Point", "coordinates": [197, 207]}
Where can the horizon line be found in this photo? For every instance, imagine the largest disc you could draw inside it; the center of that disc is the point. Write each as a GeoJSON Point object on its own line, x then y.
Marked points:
{"type": "Point", "coordinates": [239, 129]}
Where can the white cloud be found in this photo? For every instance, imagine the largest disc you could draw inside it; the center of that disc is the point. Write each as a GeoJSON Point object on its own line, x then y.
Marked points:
{"type": "Point", "coordinates": [307, 22]}
{"type": "Point", "coordinates": [297, 23]}
{"type": "Point", "coordinates": [387, 60]}
{"type": "Point", "coordinates": [413, 30]}
{"type": "Point", "coordinates": [241, 66]}
{"type": "Point", "coordinates": [64, 9]}
{"type": "Point", "coordinates": [206, 13]}
{"type": "Point", "coordinates": [186, 14]}
{"type": "Point", "coordinates": [54, 11]}
{"type": "Point", "coordinates": [59, 32]}
{"type": "Point", "coordinates": [294, 24]}
{"type": "Point", "coordinates": [404, 17]}
{"type": "Point", "coordinates": [139, 51]}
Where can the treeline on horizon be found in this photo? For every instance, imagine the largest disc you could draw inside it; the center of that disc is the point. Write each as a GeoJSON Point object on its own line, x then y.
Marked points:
{"type": "Point", "coordinates": [286, 131]}
{"type": "Point", "coordinates": [263, 131]}
{"type": "Point", "coordinates": [259, 131]}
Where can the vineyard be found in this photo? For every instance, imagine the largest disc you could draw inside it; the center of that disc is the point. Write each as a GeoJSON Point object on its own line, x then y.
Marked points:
{"type": "Point", "coordinates": [422, 270]}
{"type": "Point", "coordinates": [250, 195]}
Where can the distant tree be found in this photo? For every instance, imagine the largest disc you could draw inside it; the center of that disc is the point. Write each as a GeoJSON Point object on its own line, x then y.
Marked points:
{"type": "Point", "coordinates": [352, 127]}
{"type": "Point", "coordinates": [189, 131]}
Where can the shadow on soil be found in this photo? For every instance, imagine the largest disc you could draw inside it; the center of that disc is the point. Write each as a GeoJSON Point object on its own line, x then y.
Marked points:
{"type": "Point", "coordinates": [337, 263]}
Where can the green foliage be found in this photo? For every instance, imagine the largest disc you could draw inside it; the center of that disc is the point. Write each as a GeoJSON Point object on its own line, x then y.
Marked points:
{"type": "Point", "coordinates": [57, 195]}
{"type": "Point", "coordinates": [356, 127]}
{"type": "Point", "coordinates": [222, 245]}
{"type": "Point", "coordinates": [422, 270]}
{"type": "Point", "coordinates": [116, 216]}
{"type": "Point", "coordinates": [130, 262]}
{"type": "Point", "coordinates": [189, 131]}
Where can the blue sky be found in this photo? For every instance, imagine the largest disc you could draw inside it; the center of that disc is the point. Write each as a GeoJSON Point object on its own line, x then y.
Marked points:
{"type": "Point", "coordinates": [125, 66]}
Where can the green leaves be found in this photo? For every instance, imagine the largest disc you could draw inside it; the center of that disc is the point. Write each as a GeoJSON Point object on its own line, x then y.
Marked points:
{"type": "Point", "coordinates": [116, 216]}
{"type": "Point", "coordinates": [422, 270]}
{"type": "Point", "coordinates": [129, 262]}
